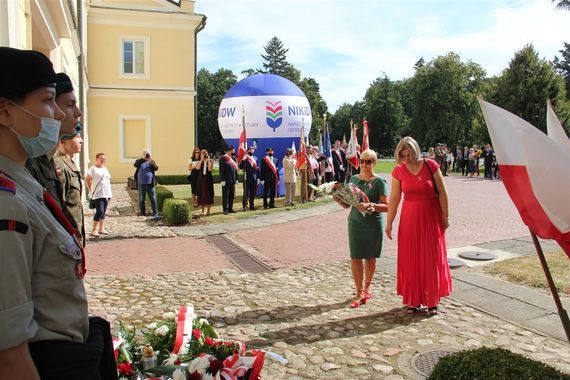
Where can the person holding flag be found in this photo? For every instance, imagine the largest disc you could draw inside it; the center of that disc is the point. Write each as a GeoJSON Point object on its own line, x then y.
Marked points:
{"type": "Point", "coordinates": [228, 180]}
{"type": "Point", "coordinates": [269, 176]}
{"type": "Point", "coordinates": [250, 178]}
{"type": "Point", "coordinates": [302, 164]}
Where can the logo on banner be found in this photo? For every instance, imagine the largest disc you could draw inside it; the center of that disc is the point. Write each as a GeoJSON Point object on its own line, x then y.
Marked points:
{"type": "Point", "coordinates": [273, 114]}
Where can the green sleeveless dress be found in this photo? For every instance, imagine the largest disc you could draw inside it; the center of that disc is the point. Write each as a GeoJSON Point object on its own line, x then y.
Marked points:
{"type": "Point", "coordinates": [365, 233]}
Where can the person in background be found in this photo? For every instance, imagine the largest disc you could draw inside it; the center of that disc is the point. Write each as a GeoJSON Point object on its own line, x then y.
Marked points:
{"type": "Point", "coordinates": [42, 168]}
{"type": "Point", "coordinates": [250, 178]}
{"type": "Point", "coordinates": [290, 177]}
{"type": "Point", "coordinates": [458, 158]}
{"type": "Point", "coordinates": [269, 175]}
{"type": "Point", "coordinates": [423, 272]}
{"type": "Point", "coordinates": [45, 328]}
{"type": "Point", "coordinates": [194, 173]}
{"type": "Point", "coordinates": [228, 180]}
{"type": "Point", "coordinates": [465, 162]}
{"type": "Point", "coordinates": [448, 161]}
{"type": "Point", "coordinates": [488, 157]}
{"type": "Point", "coordinates": [315, 169]}
{"type": "Point", "coordinates": [365, 231]}
{"type": "Point", "coordinates": [431, 153]}
{"type": "Point", "coordinates": [146, 182]}
{"type": "Point", "coordinates": [339, 162]}
{"type": "Point", "coordinates": [205, 181]}
{"type": "Point", "coordinates": [471, 162]}
{"type": "Point", "coordinates": [70, 178]}
{"type": "Point", "coordinates": [98, 182]}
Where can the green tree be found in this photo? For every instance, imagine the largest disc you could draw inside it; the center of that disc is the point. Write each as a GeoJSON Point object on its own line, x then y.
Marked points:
{"type": "Point", "coordinates": [445, 107]}
{"type": "Point", "coordinates": [385, 114]}
{"type": "Point", "coordinates": [275, 61]}
{"type": "Point", "coordinates": [562, 66]}
{"type": "Point", "coordinates": [562, 4]}
{"type": "Point", "coordinates": [311, 89]}
{"type": "Point", "coordinates": [526, 84]}
{"type": "Point", "coordinates": [211, 91]}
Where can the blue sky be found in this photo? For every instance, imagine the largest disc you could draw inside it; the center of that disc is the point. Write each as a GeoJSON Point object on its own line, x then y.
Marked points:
{"type": "Point", "coordinates": [345, 45]}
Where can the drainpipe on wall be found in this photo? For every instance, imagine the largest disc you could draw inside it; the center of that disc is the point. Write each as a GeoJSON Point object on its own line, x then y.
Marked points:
{"type": "Point", "coordinates": [199, 27]}
{"type": "Point", "coordinates": [80, 84]}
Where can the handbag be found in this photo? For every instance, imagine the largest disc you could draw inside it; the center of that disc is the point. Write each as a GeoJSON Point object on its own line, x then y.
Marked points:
{"type": "Point", "coordinates": [92, 203]}
{"type": "Point", "coordinates": [432, 178]}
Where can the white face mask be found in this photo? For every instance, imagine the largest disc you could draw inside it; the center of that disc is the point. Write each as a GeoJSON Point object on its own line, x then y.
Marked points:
{"type": "Point", "coordinates": [45, 141]}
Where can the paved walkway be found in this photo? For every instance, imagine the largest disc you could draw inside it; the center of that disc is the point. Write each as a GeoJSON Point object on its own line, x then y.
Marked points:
{"type": "Point", "coordinates": [299, 311]}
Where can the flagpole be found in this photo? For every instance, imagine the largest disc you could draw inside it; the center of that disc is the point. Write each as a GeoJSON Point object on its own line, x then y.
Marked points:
{"type": "Point", "coordinates": [306, 165]}
{"type": "Point", "coordinates": [561, 312]}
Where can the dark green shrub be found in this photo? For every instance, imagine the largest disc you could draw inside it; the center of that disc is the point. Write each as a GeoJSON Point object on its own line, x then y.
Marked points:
{"type": "Point", "coordinates": [492, 363]}
{"type": "Point", "coordinates": [176, 211]}
{"type": "Point", "coordinates": [162, 193]}
{"type": "Point", "coordinates": [172, 179]}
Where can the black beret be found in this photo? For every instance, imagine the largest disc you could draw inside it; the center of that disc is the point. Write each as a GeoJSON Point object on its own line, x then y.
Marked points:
{"type": "Point", "coordinates": [23, 71]}
{"type": "Point", "coordinates": [269, 150]}
{"type": "Point", "coordinates": [229, 148]}
{"type": "Point", "coordinates": [63, 84]}
{"type": "Point", "coordinates": [250, 147]}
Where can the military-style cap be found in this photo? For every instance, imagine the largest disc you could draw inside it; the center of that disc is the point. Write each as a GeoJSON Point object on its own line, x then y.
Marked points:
{"type": "Point", "coordinates": [63, 84]}
{"type": "Point", "coordinates": [23, 71]}
{"type": "Point", "coordinates": [250, 148]}
{"type": "Point", "coordinates": [229, 148]}
{"type": "Point", "coordinates": [269, 149]}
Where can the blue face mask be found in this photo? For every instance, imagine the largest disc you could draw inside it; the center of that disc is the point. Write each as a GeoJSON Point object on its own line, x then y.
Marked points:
{"type": "Point", "coordinates": [45, 141]}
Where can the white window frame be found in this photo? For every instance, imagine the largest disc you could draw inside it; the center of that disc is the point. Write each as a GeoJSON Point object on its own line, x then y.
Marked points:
{"type": "Point", "coordinates": [148, 135]}
{"type": "Point", "coordinates": [133, 39]}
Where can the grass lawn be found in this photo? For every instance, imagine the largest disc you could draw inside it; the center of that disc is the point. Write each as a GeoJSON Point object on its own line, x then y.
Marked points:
{"type": "Point", "coordinates": [216, 212]}
{"type": "Point", "coordinates": [528, 271]}
{"type": "Point", "coordinates": [384, 167]}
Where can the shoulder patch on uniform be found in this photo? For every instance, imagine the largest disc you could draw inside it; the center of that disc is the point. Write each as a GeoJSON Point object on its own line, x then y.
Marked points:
{"type": "Point", "coordinates": [6, 184]}
{"type": "Point", "coordinates": [13, 225]}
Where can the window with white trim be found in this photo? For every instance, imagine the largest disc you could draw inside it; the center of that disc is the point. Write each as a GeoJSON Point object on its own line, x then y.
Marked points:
{"type": "Point", "coordinates": [134, 57]}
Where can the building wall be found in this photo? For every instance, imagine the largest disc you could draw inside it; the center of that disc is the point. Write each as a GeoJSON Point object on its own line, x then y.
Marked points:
{"type": "Point", "coordinates": [160, 102]}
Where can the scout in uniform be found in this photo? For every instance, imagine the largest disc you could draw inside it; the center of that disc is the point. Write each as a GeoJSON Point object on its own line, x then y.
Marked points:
{"type": "Point", "coordinates": [44, 326]}
{"type": "Point", "coordinates": [269, 175]}
{"type": "Point", "coordinates": [70, 178]}
{"type": "Point", "coordinates": [43, 167]}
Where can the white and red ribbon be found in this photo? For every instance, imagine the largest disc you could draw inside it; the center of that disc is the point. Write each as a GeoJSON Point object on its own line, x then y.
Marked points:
{"type": "Point", "coordinates": [183, 329]}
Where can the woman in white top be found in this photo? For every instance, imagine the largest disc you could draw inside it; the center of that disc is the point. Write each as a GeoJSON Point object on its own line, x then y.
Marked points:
{"type": "Point", "coordinates": [98, 182]}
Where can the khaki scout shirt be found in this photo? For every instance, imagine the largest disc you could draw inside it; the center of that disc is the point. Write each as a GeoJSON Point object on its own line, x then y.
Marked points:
{"type": "Point", "coordinates": [70, 178]}
{"type": "Point", "coordinates": [40, 296]}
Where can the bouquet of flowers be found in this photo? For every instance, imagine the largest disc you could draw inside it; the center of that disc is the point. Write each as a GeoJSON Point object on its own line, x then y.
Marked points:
{"type": "Point", "coordinates": [348, 193]}
{"type": "Point", "coordinates": [182, 347]}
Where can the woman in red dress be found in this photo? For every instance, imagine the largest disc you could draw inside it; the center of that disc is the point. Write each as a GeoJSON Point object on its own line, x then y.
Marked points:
{"type": "Point", "coordinates": [423, 271]}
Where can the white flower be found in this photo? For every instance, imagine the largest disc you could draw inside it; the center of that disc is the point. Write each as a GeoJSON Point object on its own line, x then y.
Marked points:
{"type": "Point", "coordinates": [168, 315]}
{"type": "Point", "coordinates": [152, 326]}
{"type": "Point", "coordinates": [200, 364]}
{"type": "Point", "coordinates": [207, 376]}
{"type": "Point", "coordinates": [178, 375]}
{"type": "Point", "coordinates": [161, 331]}
{"type": "Point", "coordinates": [171, 359]}
{"type": "Point", "coordinates": [203, 321]}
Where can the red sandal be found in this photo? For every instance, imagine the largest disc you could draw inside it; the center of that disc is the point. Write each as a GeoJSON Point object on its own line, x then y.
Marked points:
{"type": "Point", "coordinates": [358, 300]}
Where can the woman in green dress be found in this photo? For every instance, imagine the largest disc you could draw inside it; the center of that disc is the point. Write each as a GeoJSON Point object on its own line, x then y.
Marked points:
{"type": "Point", "coordinates": [365, 232]}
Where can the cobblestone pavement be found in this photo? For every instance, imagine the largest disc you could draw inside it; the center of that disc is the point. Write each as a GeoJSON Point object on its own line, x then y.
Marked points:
{"type": "Point", "coordinates": [300, 311]}
{"type": "Point", "coordinates": [302, 315]}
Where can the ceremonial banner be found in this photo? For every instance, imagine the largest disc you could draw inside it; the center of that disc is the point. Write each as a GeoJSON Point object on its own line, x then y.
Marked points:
{"type": "Point", "coordinates": [534, 170]}
{"type": "Point", "coordinates": [365, 143]}
{"type": "Point", "coordinates": [242, 144]}
{"type": "Point", "coordinates": [302, 154]}
{"type": "Point", "coordinates": [351, 151]}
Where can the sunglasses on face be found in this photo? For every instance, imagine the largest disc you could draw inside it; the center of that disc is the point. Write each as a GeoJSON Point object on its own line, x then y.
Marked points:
{"type": "Point", "coordinates": [367, 162]}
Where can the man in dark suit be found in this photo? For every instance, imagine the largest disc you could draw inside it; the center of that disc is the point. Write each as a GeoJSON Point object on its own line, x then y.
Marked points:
{"type": "Point", "coordinates": [250, 178]}
{"type": "Point", "coordinates": [339, 162]}
{"type": "Point", "coordinates": [228, 179]}
{"type": "Point", "coordinates": [269, 176]}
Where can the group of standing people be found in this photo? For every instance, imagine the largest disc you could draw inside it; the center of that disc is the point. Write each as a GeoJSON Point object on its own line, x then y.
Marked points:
{"type": "Point", "coordinates": [45, 327]}
{"type": "Point", "coordinates": [467, 160]}
{"type": "Point", "coordinates": [423, 275]}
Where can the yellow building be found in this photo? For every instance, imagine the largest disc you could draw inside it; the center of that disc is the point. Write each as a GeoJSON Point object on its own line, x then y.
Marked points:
{"type": "Point", "coordinates": [141, 66]}
{"type": "Point", "coordinates": [53, 27]}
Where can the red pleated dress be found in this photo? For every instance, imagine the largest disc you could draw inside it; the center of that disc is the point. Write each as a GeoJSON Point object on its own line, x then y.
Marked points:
{"type": "Point", "coordinates": [423, 272]}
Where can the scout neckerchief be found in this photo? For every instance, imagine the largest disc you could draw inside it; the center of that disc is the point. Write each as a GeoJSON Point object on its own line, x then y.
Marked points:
{"type": "Point", "coordinates": [80, 268]}
{"type": "Point", "coordinates": [231, 162]}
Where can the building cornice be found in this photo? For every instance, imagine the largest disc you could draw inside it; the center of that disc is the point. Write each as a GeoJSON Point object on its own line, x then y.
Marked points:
{"type": "Point", "coordinates": [140, 92]}
{"type": "Point", "coordinates": [142, 18]}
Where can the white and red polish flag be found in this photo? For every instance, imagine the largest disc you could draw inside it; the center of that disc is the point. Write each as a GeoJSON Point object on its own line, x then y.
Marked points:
{"type": "Point", "coordinates": [351, 151]}
{"type": "Point", "coordinates": [242, 149]}
{"type": "Point", "coordinates": [365, 144]}
{"type": "Point", "coordinates": [554, 128]}
{"type": "Point", "coordinates": [302, 153]}
{"type": "Point", "coordinates": [534, 170]}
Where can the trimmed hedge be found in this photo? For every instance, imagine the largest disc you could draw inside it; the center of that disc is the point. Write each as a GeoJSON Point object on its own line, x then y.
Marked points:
{"type": "Point", "coordinates": [492, 363]}
{"type": "Point", "coordinates": [172, 179]}
{"type": "Point", "coordinates": [162, 193]}
{"type": "Point", "coordinates": [176, 211]}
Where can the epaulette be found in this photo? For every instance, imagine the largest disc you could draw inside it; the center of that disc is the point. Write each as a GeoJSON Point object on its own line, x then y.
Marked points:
{"type": "Point", "coordinates": [6, 184]}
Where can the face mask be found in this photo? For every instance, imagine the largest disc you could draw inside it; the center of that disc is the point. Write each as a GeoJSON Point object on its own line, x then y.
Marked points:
{"type": "Point", "coordinates": [249, 153]}
{"type": "Point", "coordinates": [45, 141]}
{"type": "Point", "coordinates": [270, 154]}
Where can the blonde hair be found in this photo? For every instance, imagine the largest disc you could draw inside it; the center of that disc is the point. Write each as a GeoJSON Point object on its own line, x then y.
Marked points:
{"type": "Point", "coordinates": [410, 144]}
{"type": "Point", "coordinates": [369, 154]}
